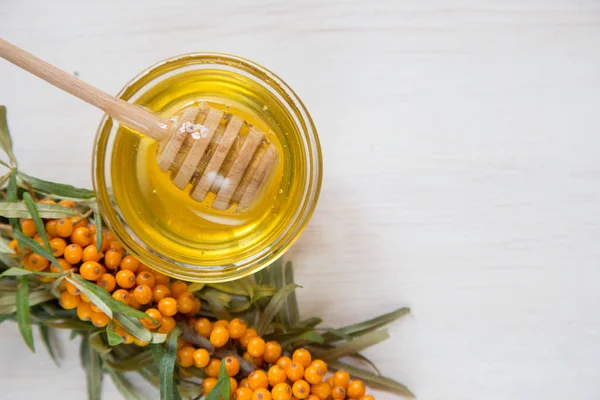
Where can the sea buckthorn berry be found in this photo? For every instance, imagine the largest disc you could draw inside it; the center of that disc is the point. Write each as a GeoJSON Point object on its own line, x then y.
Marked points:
{"type": "Point", "coordinates": [312, 375]}
{"type": "Point", "coordinates": [130, 263]}
{"type": "Point", "coordinates": [92, 228]}
{"type": "Point", "coordinates": [232, 365]}
{"type": "Point", "coordinates": [233, 385]}
{"type": "Point", "coordinates": [276, 375]}
{"type": "Point", "coordinates": [64, 265]}
{"type": "Point", "coordinates": [272, 352]}
{"type": "Point", "coordinates": [144, 268]}
{"type": "Point", "coordinates": [65, 203]}
{"type": "Point", "coordinates": [100, 319]}
{"type": "Point", "coordinates": [51, 228]}
{"type": "Point", "coordinates": [121, 295]}
{"type": "Point", "coordinates": [256, 347]}
{"type": "Point", "coordinates": [46, 201]}
{"type": "Point", "coordinates": [167, 306]}
{"type": "Point", "coordinates": [341, 378]}
{"type": "Point", "coordinates": [72, 289]}
{"type": "Point", "coordinates": [203, 327]}
{"type": "Point", "coordinates": [330, 381]}
{"type": "Point", "coordinates": [186, 302]}
{"type": "Point", "coordinates": [114, 245]}
{"type": "Point", "coordinates": [295, 372]}
{"type": "Point", "coordinates": [221, 322]}
{"type": "Point", "coordinates": [197, 306]}
{"type": "Point", "coordinates": [64, 227]}
{"type": "Point", "coordinates": [281, 391]}
{"type": "Point", "coordinates": [58, 245]}
{"type": "Point", "coordinates": [142, 294]}
{"type": "Point", "coordinates": [244, 383]}
{"type": "Point", "coordinates": [90, 270]}
{"type": "Point", "coordinates": [313, 397]}
{"type": "Point", "coordinates": [73, 253]}
{"type": "Point", "coordinates": [78, 222]}
{"type": "Point", "coordinates": [167, 324]}
{"type": "Point", "coordinates": [302, 356]}
{"type": "Point", "coordinates": [126, 279]}
{"type": "Point", "coordinates": [261, 394]}
{"type": "Point", "coordinates": [201, 358]}
{"type": "Point", "coordinates": [208, 384]}
{"type": "Point", "coordinates": [367, 397]}
{"type": "Point", "coordinates": [159, 292]}
{"type": "Point", "coordinates": [95, 308]}
{"type": "Point", "coordinates": [127, 338]}
{"type": "Point", "coordinates": [14, 246]}
{"type": "Point", "coordinates": [219, 336]}
{"type": "Point", "coordinates": [284, 362]}
{"type": "Point", "coordinates": [140, 343]}
{"type": "Point", "coordinates": [107, 281]}
{"type": "Point", "coordinates": [68, 301]}
{"type": "Point", "coordinates": [84, 311]}
{"type": "Point", "coordinates": [212, 369]}
{"type": "Point", "coordinates": [82, 236]}
{"type": "Point", "coordinates": [301, 389]}
{"type": "Point", "coordinates": [152, 313]}
{"type": "Point", "coordinates": [258, 379]}
{"type": "Point", "coordinates": [133, 303]}
{"type": "Point", "coordinates": [236, 328]}
{"type": "Point", "coordinates": [145, 278]}
{"type": "Point", "coordinates": [185, 356]}
{"type": "Point", "coordinates": [35, 262]}
{"type": "Point", "coordinates": [249, 334]}
{"type": "Point", "coordinates": [84, 298]}
{"type": "Point", "coordinates": [321, 390]}
{"type": "Point", "coordinates": [28, 227]}
{"type": "Point", "coordinates": [321, 366]}
{"type": "Point", "coordinates": [338, 393]}
{"type": "Point", "coordinates": [178, 288]}
{"type": "Point", "coordinates": [37, 238]}
{"type": "Point", "coordinates": [356, 389]}
{"type": "Point", "coordinates": [161, 279]}
{"type": "Point", "coordinates": [90, 253]}
{"type": "Point", "coordinates": [112, 259]}
{"type": "Point", "coordinates": [243, 393]}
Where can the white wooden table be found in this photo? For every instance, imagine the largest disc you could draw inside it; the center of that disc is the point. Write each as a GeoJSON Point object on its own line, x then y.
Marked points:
{"type": "Point", "coordinates": [462, 173]}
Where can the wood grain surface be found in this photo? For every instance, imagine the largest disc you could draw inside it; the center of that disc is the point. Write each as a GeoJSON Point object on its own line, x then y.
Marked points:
{"type": "Point", "coordinates": [462, 174]}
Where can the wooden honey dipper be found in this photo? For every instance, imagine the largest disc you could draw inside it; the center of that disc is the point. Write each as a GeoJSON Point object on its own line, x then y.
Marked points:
{"type": "Point", "coordinates": [195, 147]}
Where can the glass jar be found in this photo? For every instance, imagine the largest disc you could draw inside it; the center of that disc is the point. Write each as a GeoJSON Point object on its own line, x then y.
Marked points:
{"type": "Point", "coordinates": [167, 230]}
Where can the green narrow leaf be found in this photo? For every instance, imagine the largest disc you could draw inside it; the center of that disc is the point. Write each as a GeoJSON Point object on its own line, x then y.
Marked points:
{"type": "Point", "coordinates": [98, 222]}
{"type": "Point", "coordinates": [93, 373]}
{"type": "Point", "coordinates": [134, 327]}
{"type": "Point", "coordinates": [232, 287]}
{"type": "Point", "coordinates": [97, 343]}
{"type": "Point", "coordinates": [13, 271]}
{"type": "Point", "coordinates": [124, 386]}
{"type": "Point", "coordinates": [195, 287]}
{"type": "Point", "coordinates": [57, 189]}
{"type": "Point", "coordinates": [222, 388]}
{"type": "Point", "coordinates": [11, 196]}
{"type": "Point", "coordinates": [5, 317]}
{"type": "Point", "coordinates": [4, 247]}
{"type": "Point", "coordinates": [45, 335]}
{"type": "Point", "coordinates": [217, 306]}
{"type": "Point", "coordinates": [375, 323]}
{"type": "Point", "coordinates": [292, 301]}
{"type": "Point", "coordinates": [168, 391]}
{"type": "Point", "coordinates": [35, 247]}
{"type": "Point", "coordinates": [140, 360]}
{"type": "Point", "coordinates": [23, 318]}
{"type": "Point", "coordinates": [356, 345]}
{"type": "Point", "coordinates": [309, 336]}
{"type": "Point", "coordinates": [8, 304]}
{"type": "Point", "coordinates": [13, 209]}
{"type": "Point", "coordinates": [113, 338]}
{"type": "Point", "coordinates": [277, 301]}
{"type": "Point", "coordinates": [39, 224]}
{"type": "Point", "coordinates": [5, 139]}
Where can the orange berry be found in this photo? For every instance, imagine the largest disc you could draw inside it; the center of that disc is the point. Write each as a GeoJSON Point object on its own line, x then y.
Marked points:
{"type": "Point", "coordinates": [258, 379]}
{"type": "Point", "coordinates": [178, 288]}
{"type": "Point", "coordinates": [236, 328]}
{"type": "Point", "coordinates": [78, 222]}
{"type": "Point", "coordinates": [64, 266]}
{"type": "Point", "coordinates": [82, 236]}
{"type": "Point", "coordinates": [330, 381]}
{"type": "Point", "coordinates": [145, 278]}
{"type": "Point", "coordinates": [46, 201]}
{"type": "Point", "coordinates": [167, 306]}
{"type": "Point", "coordinates": [68, 301]}
{"type": "Point", "coordinates": [130, 263]}
{"type": "Point", "coordinates": [244, 383]}
{"type": "Point", "coordinates": [313, 375]}
{"type": "Point", "coordinates": [295, 372]}
{"type": "Point", "coordinates": [233, 385]}
{"type": "Point", "coordinates": [73, 253]}
{"type": "Point", "coordinates": [66, 203]}
{"type": "Point", "coordinates": [159, 292]}
{"type": "Point", "coordinates": [203, 327]}
{"type": "Point", "coordinates": [212, 368]}
{"type": "Point", "coordinates": [313, 397]}
{"type": "Point", "coordinates": [153, 313]}
{"type": "Point", "coordinates": [39, 240]}
{"type": "Point", "coordinates": [341, 378]}
{"type": "Point", "coordinates": [90, 270]}
{"type": "Point", "coordinates": [321, 390]}
{"type": "Point", "coordinates": [64, 227]}
{"type": "Point", "coordinates": [302, 356]}
{"type": "Point", "coordinates": [186, 302]}
{"type": "Point", "coordinates": [143, 268]}
{"type": "Point", "coordinates": [14, 246]}
{"type": "Point", "coordinates": [94, 307]}
{"type": "Point", "coordinates": [72, 289]}
{"type": "Point", "coordinates": [243, 393]}
{"type": "Point", "coordinates": [100, 319]}
{"type": "Point", "coordinates": [28, 227]}
{"type": "Point", "coordinates": [249, 334]}
{"type": "Point", "coordinates": [112, 259]}
{"type": "Point", "coordinates": [143, 294]}
{"type": "Point", "coordinates": [221, 322]}
{"type": "Point", "coordinates": [256, 347]}
{"type": "Point", "coordinates": [356, 389]}
{"type": "Point", "coordinates": [219, 336]}
{"type": "Point", "coordinates": [276, 375]}
{"type": "Point", "coordinates": [90, 253]}
{"type": "Point", "coordinates": [126, 279]}
{"type": "Point", "coordinates": [281, 391]}
{"type": "Point", "coordinates": [232, 365]}
{"type": "Point", "coordinates": [84, 311]}
{"type": "Point", "coordinates": [35, 262]}
{"type": "Point", "coordinates": [161, 279]}
{"type": "Point", "coordinates": [201, 358]}
{"type": "Point", "coordinates": [197, 306]}
{"type": "Point", "coordinates": [321, 366]}
{"type": "Point", "coordinates": [58, 245]}
{"type": "Point", "coordinates": [112, 244]}
{"type": "Point", "coordinates": [338, 393]}
{"type": "Point", "coordinates": [185, 356]}
{"type": "Point", "coordinates": [301, 389]}
{"type": "Point", "coordinates": [272, 352]}
{"type": "Point", "coordinates": [122, 295]}
{"type": "Point", "coordinates": [261, 394]}
{"type": "Point", "coordinates": [127, 338]}
{"type": "Point", "coordinates": [208, 384]}
{"type": "Point", "coordinates": [367, 397]}
{"type": "Point", "coordinates": [167, 324]}
{"type": "Point", "coordinates": [139, 342]}
{"type": "Point", "coordinates": [107, 281]}
{"type": "Point", "coordinates": [284, 362]}
{"type": "Point", "coordinates": [51, 228]}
